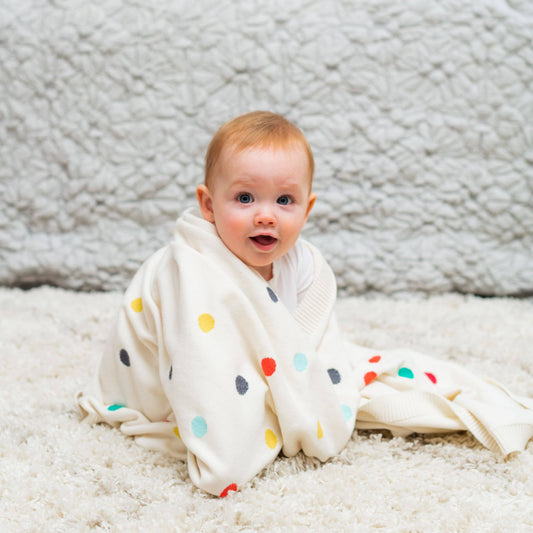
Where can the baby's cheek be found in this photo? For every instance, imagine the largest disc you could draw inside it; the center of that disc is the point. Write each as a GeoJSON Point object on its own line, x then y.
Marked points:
{"type": "Point", "coordinates": [292, 228]}
{"type": "Point", "coordinates": [235, 223]}
{"type": "Point", "coordinates": [231, 227]}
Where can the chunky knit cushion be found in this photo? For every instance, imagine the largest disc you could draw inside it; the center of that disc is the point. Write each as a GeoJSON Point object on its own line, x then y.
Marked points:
{"type": "Point", "coordinates": [420, 114]}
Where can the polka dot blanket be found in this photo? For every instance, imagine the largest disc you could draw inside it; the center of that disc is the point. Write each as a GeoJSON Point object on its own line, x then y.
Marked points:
{"type": "Point", "coordinates": [205, 363]}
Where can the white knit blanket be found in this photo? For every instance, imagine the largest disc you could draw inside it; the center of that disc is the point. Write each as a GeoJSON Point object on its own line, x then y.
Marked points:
{"type": "Point", "coordinates": [206, 363]}
{"type": "Point", "coordinates": [58, 475]}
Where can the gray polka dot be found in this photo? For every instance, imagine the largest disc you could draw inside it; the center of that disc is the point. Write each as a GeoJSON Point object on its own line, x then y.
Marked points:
{"type": "Point", "coordinates": [241, 385]}
{"type": "Point", "coordinates": [272, 295]}
{"type": "Point", "coordinates": [334, 376]}
{"type": "Point", "coordinates": [124, 357]}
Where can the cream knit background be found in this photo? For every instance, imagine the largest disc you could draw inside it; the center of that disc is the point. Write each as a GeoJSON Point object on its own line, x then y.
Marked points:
{"type": "Point", "coordinates": [420, 113]}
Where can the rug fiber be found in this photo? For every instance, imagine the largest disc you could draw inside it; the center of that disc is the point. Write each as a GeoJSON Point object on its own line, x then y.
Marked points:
{"type": "Point", "coordinates": [60, 475]}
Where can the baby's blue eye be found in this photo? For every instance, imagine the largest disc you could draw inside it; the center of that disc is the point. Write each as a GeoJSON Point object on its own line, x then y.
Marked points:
{"type": "Point", "coordinates": [244, 198]}
{"type": "Point", "coordinates": [284, 200]}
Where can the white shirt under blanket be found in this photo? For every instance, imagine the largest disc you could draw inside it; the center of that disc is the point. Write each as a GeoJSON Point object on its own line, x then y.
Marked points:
{"type": "Point", "coordinates": [292, 275]}
{"type": "Point", "coordinates": [205, 363]}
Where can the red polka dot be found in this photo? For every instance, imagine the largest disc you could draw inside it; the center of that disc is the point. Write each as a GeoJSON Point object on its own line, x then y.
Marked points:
{"type": "Point", "coordinates": [375, 359]}
{"type": "Point", "coordinates": [268, 365]}
{"type": "Point", "coordinates": [225, 492]}
{"type": "Point", "coordinates": [369, 377]}
{"type": "Point", "coordinates": [431, 377]}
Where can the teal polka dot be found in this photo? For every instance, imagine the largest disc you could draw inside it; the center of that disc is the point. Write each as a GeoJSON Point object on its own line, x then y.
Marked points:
{"type": "Point", "coordinates": [300, 362]}
{"type": "Point", "coordinates": [405, 372]}
{"type": "Point", "coordinates": [115, 407]}
{"type": "Point", "coordinates": [199, 426]}
{"type": "Point", "coordinates": [347, 412]}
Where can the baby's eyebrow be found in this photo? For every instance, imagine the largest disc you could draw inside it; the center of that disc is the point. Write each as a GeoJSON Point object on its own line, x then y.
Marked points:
{"type": "Point", "coordinates": [242, 182]}
{"type": "Point", "coordinates": [248, 183]}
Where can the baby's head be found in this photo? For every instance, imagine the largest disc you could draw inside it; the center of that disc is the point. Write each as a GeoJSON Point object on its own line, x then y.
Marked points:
{"type": "Point", "coordinates": [258, 129]}
{"type": "Point", "coordinates": [257, 191]}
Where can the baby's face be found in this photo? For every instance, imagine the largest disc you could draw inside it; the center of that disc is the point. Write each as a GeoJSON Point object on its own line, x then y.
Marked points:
{"type": "Point", "coordinates": [259, 201]}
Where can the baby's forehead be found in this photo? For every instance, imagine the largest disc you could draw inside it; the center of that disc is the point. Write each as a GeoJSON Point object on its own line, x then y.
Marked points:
{"type": "Point", "coordinates": [236, 155]}
{"type": "Point", "coordinates": [289, 166]}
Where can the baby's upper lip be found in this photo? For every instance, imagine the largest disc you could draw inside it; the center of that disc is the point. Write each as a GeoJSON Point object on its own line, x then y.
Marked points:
{"type": "Point", "coordinates": [263, 234]}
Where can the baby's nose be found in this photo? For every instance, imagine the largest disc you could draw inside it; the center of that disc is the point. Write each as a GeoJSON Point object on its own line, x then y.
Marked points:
{"type": "Point", "coordinates": [266, 217]}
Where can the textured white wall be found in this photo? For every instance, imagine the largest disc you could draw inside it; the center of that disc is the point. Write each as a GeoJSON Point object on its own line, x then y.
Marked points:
{"type": "Point", "coordinates": [420, 113]}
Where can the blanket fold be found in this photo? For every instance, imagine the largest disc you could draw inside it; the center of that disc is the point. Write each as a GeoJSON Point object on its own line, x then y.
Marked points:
{"type": "Point", "coordinates": [205, 363]}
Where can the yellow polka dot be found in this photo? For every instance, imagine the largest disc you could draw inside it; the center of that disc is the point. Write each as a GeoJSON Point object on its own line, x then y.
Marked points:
{"type": "Point", "coordinates": [271, 439]}
{"type": "Point", "coordinates": [177, 432]}
{"type": "Point", "coordinates": [206, 322]}
{"type": "Point", "coordinates": [319, 432]}
{"type": "Point", "coordinates": [137, 305]}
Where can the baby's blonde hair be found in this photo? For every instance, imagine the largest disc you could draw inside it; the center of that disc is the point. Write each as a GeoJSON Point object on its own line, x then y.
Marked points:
{"type": "Point", "coordinates": [261, 129]}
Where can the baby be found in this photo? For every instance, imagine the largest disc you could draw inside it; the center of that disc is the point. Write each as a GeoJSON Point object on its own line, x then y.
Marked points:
{"type": "Point", "coordinates": [257, 193]}
{"type": "Point", "coordinates": [226, 349]}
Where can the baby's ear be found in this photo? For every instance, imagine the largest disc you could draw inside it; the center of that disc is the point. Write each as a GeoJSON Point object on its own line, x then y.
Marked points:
{"type": "Point", "coordinates": [205, 202]}
{"type": "Point", "coordinates": [311, 202]}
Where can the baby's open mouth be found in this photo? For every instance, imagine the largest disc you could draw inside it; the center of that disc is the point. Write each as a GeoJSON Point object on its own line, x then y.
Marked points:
{"type": "Point", "coordinates": [264, 240]}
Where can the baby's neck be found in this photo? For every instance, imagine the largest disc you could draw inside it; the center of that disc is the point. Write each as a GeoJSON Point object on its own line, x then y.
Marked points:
{"type": "Point", "coordinates": [265, 272]}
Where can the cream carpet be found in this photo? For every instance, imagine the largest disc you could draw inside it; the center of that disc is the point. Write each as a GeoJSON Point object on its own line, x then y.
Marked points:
{"type": "Point", "coordinates": [59, 475]}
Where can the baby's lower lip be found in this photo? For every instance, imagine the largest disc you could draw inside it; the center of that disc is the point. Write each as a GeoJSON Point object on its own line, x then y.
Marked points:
{"type": "Point", "coordinates": [264, 242]}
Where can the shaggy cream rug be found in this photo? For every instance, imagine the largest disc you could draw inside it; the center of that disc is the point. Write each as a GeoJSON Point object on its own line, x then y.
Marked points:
{"type": "Point", "coordinates": [59, 475]}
